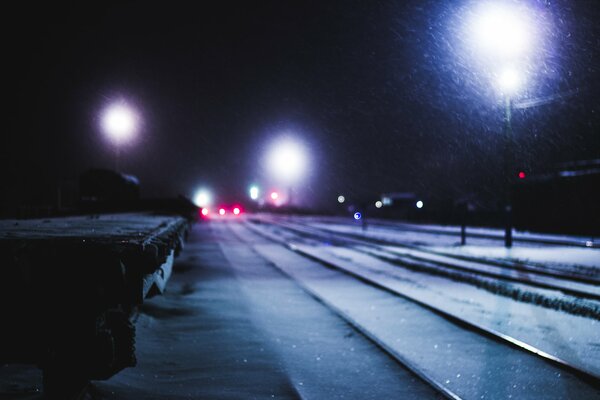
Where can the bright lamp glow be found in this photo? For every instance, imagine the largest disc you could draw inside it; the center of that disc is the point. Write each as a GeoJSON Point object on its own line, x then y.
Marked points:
{"type": "Point", "coordinates": [254, 192]}
{"type": "Point", "coordinates": [419, 204]}
{"type": "Point", "coordinates": [378, 204]}
{"type": "Point", "coordinates": [119, 122]}
{"type": "Point", "coordinates": [236, 211]}
{"type": "Point", "coordinates": [274, 196]}
{"type": "Point", "coordinates": [509, 81]}
{"type": "Point", "coordinates": [287, 160]}
{"type": "Point", "coordinates": [205, 211]}
{"type": "Point", "coordinates": [502, 29]}
{"type": "Point", "coordinates": [221, 211]}
{"type": "Point", "coordinates": [202, 198]}
{"type": "Point", "coordinates": [341, 199]}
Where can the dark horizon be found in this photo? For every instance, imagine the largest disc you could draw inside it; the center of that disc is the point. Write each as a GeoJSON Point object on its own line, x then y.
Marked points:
{"type": "Point", "coordinates": [377, 91]}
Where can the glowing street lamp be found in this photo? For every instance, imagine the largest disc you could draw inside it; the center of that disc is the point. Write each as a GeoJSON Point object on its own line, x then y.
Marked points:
{"type": "Point", "coordinates": [202, 198]}
{"type": "Point", "coordinates": [287, 162]}
{"type": "Point", "coordinates": [341, 199]}
{"type": "Point", "coordinates": [254, 192]}
{"type": "Point", "coordinates": [120, 123]}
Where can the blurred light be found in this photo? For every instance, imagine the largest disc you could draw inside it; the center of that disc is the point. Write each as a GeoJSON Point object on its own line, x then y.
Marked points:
{"type": "Point", "coordinates": [357, 216]}
{"type": "Point", "coordinates": [254, 192]}
{"type": "Point", "coordinates": [274, 196]}
{"type": "Point", "coordinates": [204, 211]}
{"type": "Point", "coordinates": [419, 204]}
{"type": "Point", "coordinates": [378, 204]}
{"type": "Point", "coordinates": [221, 211]}
{"type": "Point", "coordinates": [287, 160]}
{"type": "Point", "coordinates": [509, 81]}
{"type": "Point", "coordinates": [236, 211]}
{"type": "Point", "coordinates": [502, 30]}
{"type": "Point", "coordinates": [202, 198]}
{"type": "Point", "coordinates": [119, 122]}
{"type": "Point", "coordinates": [521, 175]}
{"type": "Point", "coordinates": [387, 201]}
{"type": "Point", "coordinates": [341, 199]}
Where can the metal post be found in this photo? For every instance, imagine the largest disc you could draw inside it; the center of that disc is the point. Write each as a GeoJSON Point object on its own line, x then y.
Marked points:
{"type": "Point", "coordinates": [508, 173]}
{"type": "Point", "coordinates": [117, 151]}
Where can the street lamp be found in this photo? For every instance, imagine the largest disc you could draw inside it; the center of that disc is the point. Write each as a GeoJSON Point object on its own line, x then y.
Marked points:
{"type": "Point", "coordinates": [254, 192]}
{"type": "Point", "coordinates": [202, 198]}
{"type": "Point", "coordinates": [503, 32]}
{"type": "Point", "coordinates": [287, 162]}
{"type": "Point", "coordinates": [509, 82]}
{"type": "Point", "coordinates": [120, 124]}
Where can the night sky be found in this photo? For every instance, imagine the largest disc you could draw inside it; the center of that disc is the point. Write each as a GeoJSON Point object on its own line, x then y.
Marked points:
{"type": "Point", "coordinates": [383, 94]}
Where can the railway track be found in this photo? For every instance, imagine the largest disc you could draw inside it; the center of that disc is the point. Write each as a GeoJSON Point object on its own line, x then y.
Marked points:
{"type": "Point", "coordinates": [415, 256]}
{"type": "Point", "coordinates": [554, 241]}
{"type": "Point", "coordinates": [477, 340]}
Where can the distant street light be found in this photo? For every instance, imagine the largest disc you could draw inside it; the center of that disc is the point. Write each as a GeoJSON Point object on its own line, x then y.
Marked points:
{"type": "Point", "coordinates": [378, 204]}
{"type": "Point", "coordinates": [274, 196]}
{"type": "Point", "coordinates": [202, 198]}
{"type": "Point", "coordinates": [341, 199]}
{"type": "Point", "coordinates": [419, 204]}
{"type": "Point", "coordinates": [287, 162]}
{"type": "Point", "coordinates": [119, 123]}
{"type": "Point", "coordinates": [254, 192]}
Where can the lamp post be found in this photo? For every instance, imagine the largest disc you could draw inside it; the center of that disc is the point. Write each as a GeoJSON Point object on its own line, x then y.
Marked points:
{"type": "Point", "coordinates": [503, 34]}
{"type": "Point", "coordinates": [119, 123]}
{"type": "Point", "coordinates": [509, 82]}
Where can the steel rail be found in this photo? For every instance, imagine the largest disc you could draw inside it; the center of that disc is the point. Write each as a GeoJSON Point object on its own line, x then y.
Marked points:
{"type": "Point", "coordinates": [586, 376]}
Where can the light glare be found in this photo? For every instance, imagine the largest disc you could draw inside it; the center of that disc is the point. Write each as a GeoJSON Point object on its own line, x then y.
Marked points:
{"type": "Point", "coordinates": [341, 199]}
{"type": "Point", "coordinates": [287, 160]}
{"type": "Point", "coordinates": [119, 122]}
{"type": "Point", "coordinates": [502, 30]}
{"type": "Point", "coordinates": [378, 204]}
{"type": "Point", "coordinates": [419, 204]}
{"type": "Point", "coordinates": [254, 192]}
{"type": "Point", "coordinates": [509, 81]}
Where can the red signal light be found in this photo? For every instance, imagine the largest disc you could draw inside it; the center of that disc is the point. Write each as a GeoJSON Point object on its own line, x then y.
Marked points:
{"type": "Point", "coordinates": [274, 196]}
{"type": "Point", "coordinates": [204, 211]}
{"type": "Point", "coordinates": [236, 211]}
{"type": "Point", "coordinates": [221, 211]}
{"type": "Point", "coordinates": [521, 175]}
